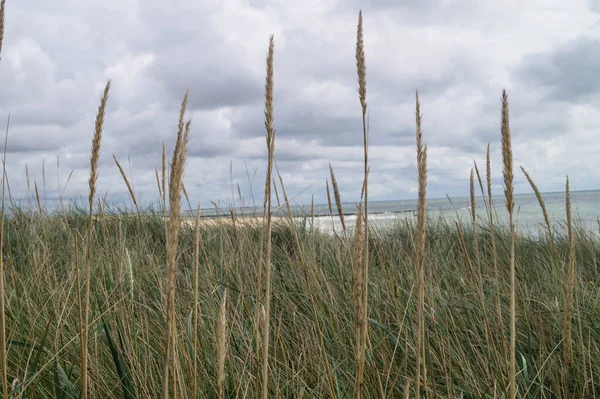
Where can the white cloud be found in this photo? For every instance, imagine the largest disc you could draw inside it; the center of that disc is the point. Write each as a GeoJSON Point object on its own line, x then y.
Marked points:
{"type": "Point", "coordinates": [460, 54]}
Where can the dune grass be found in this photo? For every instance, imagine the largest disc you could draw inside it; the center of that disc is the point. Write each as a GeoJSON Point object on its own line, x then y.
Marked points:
{"type": "Point", "coordinates": [160, 307]}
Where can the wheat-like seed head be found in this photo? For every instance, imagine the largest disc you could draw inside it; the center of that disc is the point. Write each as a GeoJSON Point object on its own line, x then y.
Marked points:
{"type": "Point", "coordinates": [338, 198]}
{"type": "Point", "coordinates": [96, 144]}
{"type": "Point", "coordinates": [175, 188]}
{"type": "Point", "coordinates": [269, 94]}
{"type": "Point", "coordinates": [361, 65]}
{"type": "Point", "coordinates": [507, 157]}
{"type": "Point", "coordinates": [1, 24]}
{"type": "Point", "coordinates": [328, 197]}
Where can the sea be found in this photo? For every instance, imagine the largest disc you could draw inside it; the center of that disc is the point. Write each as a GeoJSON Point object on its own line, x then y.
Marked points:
{"type": "Point", "coordinates": [528, 217]}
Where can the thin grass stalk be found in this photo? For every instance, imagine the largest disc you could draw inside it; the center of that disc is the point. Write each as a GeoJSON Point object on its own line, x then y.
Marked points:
{"type": "Point", "coordinates": [479, 180]}
{"type": "Point", "coordinates": [507, 172]}
{"type": "Point", "coordinates": [82, 346]}
{"type": "Point", "coordinates": [499, 317]}
{"type": "Point", "coordinates": [95, 156]}
{"type": "Point", "coordinates": [164, 177]}
{"type": "Point", "coordinates": [358, 289]}
{"type": "Point", "coordinates": [270, 138]}
{"type": "Point", "coordinates": [420, 252]}
{"type": "Point", "coordinates": [37, 197]}
{"type": "Point", "coordinates": [361, 68]}
{"type": "Point", "coordinates": [478, 282]}
{"type": "Point", "coordinates": [304, 266]}
{"type": "Point", "coordinates": [3, 354]}
{"type": "Point", "coordinates": [175, 184]}
{"type": "Point", "coordinates": [474, 223]}
{"type": "Point", "coordinates": [312, 212]}
{"type": "Point", "coordinates": [540, 199]}
{"type": "Point", "coordinates": [129, 187]}
{"type": "Point", "coordinates": [196, 289]}
{"type": "Point", "coordinates": [338, 199]}
{"type": "Point", "coordinates": [568, 312]}
{"type": "Point", "coordinates": [329, 199]}
{"type": "Point", "coordinates": [222, 350]}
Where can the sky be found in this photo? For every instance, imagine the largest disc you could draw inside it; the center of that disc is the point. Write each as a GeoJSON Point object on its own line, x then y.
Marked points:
{"type": "Point", "coordinates": [459, 54]}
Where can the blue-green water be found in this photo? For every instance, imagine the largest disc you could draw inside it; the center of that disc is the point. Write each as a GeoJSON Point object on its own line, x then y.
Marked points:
{"type": "Point", "coordinates": [585, 207]}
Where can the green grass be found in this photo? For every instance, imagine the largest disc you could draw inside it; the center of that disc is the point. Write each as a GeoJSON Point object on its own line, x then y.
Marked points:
{"type": "Point", "coordinates": [128, 320]}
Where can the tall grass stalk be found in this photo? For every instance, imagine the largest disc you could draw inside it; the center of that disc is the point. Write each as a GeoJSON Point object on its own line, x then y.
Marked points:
{"type": "Point", "coordinates": [568, 311]}
{"type": "Point", "coordinates": [507, 172]}
{"type": "Point", "coordinates": [3, 361]}
{"type": "Point", "coordinates": [175, 190]}
{"type": "Point", "coordinates": [421, 369]}
{"type": "Point", "coordinates": [270, 137]}
{"type": "Point", "coordinates": [96, 142]}
{"type": "Point", "coordinates": [361, 68]}
{"type": "Point", "coordinates": [196, 289]}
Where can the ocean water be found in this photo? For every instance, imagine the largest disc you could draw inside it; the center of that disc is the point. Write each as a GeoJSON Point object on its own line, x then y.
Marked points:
{"type": "Point", "coordinates": [529, 220]}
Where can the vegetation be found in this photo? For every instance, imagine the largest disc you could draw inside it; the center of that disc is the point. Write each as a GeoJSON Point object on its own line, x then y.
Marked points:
{"type": "Point", "coordinates": [105, 304]}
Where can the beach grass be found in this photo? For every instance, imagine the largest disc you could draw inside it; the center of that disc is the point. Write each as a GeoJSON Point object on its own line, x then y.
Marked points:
{"type": "Point", "coordinates": [135, 304]}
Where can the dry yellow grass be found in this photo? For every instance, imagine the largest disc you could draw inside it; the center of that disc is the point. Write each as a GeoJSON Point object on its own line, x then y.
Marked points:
{"type": "Point", "coordinates": [129, 187]}
{"type": "Point", "coordinates": [361, 68]}
{"type": "Point", "coordinates": [540, 199]}
{"type": "Point", "coordinates": [3, 363]}
{"type": "Point", "coordinates": [95, 156]}
{"type": "Point", "coordinates": [358, 285]}
{"type": "Point", "coordinates": [421, 370]}
{"type": "Point", "coordinates": [196, 288]}
{"type": "Point", "coordinates": [568, 311]}
{"type": "Point", "coordinates": [270, 138]}
{"type": "Point", "coordinates": [173, 224]}
{"type": "Point", "coordinates": [222, 349]}
{"type": "Point", "coordinates": [507, 172]}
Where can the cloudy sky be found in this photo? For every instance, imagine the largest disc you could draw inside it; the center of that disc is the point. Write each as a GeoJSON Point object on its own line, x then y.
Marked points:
{"type": "Point", "coordinates": [57, 56]}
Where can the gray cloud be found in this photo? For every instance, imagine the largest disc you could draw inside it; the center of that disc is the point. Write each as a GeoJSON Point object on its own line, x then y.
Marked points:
{"type": "Point", "coordinates": [567, 73]}
{"type": "Point", "coordinates": [459, 55]}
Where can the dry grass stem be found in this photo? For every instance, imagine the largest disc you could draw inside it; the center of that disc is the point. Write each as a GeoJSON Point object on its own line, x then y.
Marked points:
{"type": "Point", "coordinates": [196, 289]}
{"type": "Point", "coordinates": [568, 312]}
{"type": "Point", "coordinates": [222, 350]}
{"type": "Point", "coordinates": [129, 187]}
{"type": "Point", "coordinates": [270, 138]}
{"type": "Point", "coordinates": [358, 295]}
{"type": "Point", "coordinates": [96, 141]}
{"type": "Point", "coordinates": [421, 371]}
{"type": "Point", "coordinates": [507, 172]}
{"type": "Point", "coordinates": [361, 69]}
{"type": "Point", "coordinates": [3, 355]}
{"type": "Point", "coordinates": [173, 223]}
{"type": "Point", "coordinates": [540, 199]}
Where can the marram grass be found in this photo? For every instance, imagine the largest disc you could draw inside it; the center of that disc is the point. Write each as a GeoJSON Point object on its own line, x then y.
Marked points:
{"type": "Point", "coordinates": [39, 257]}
